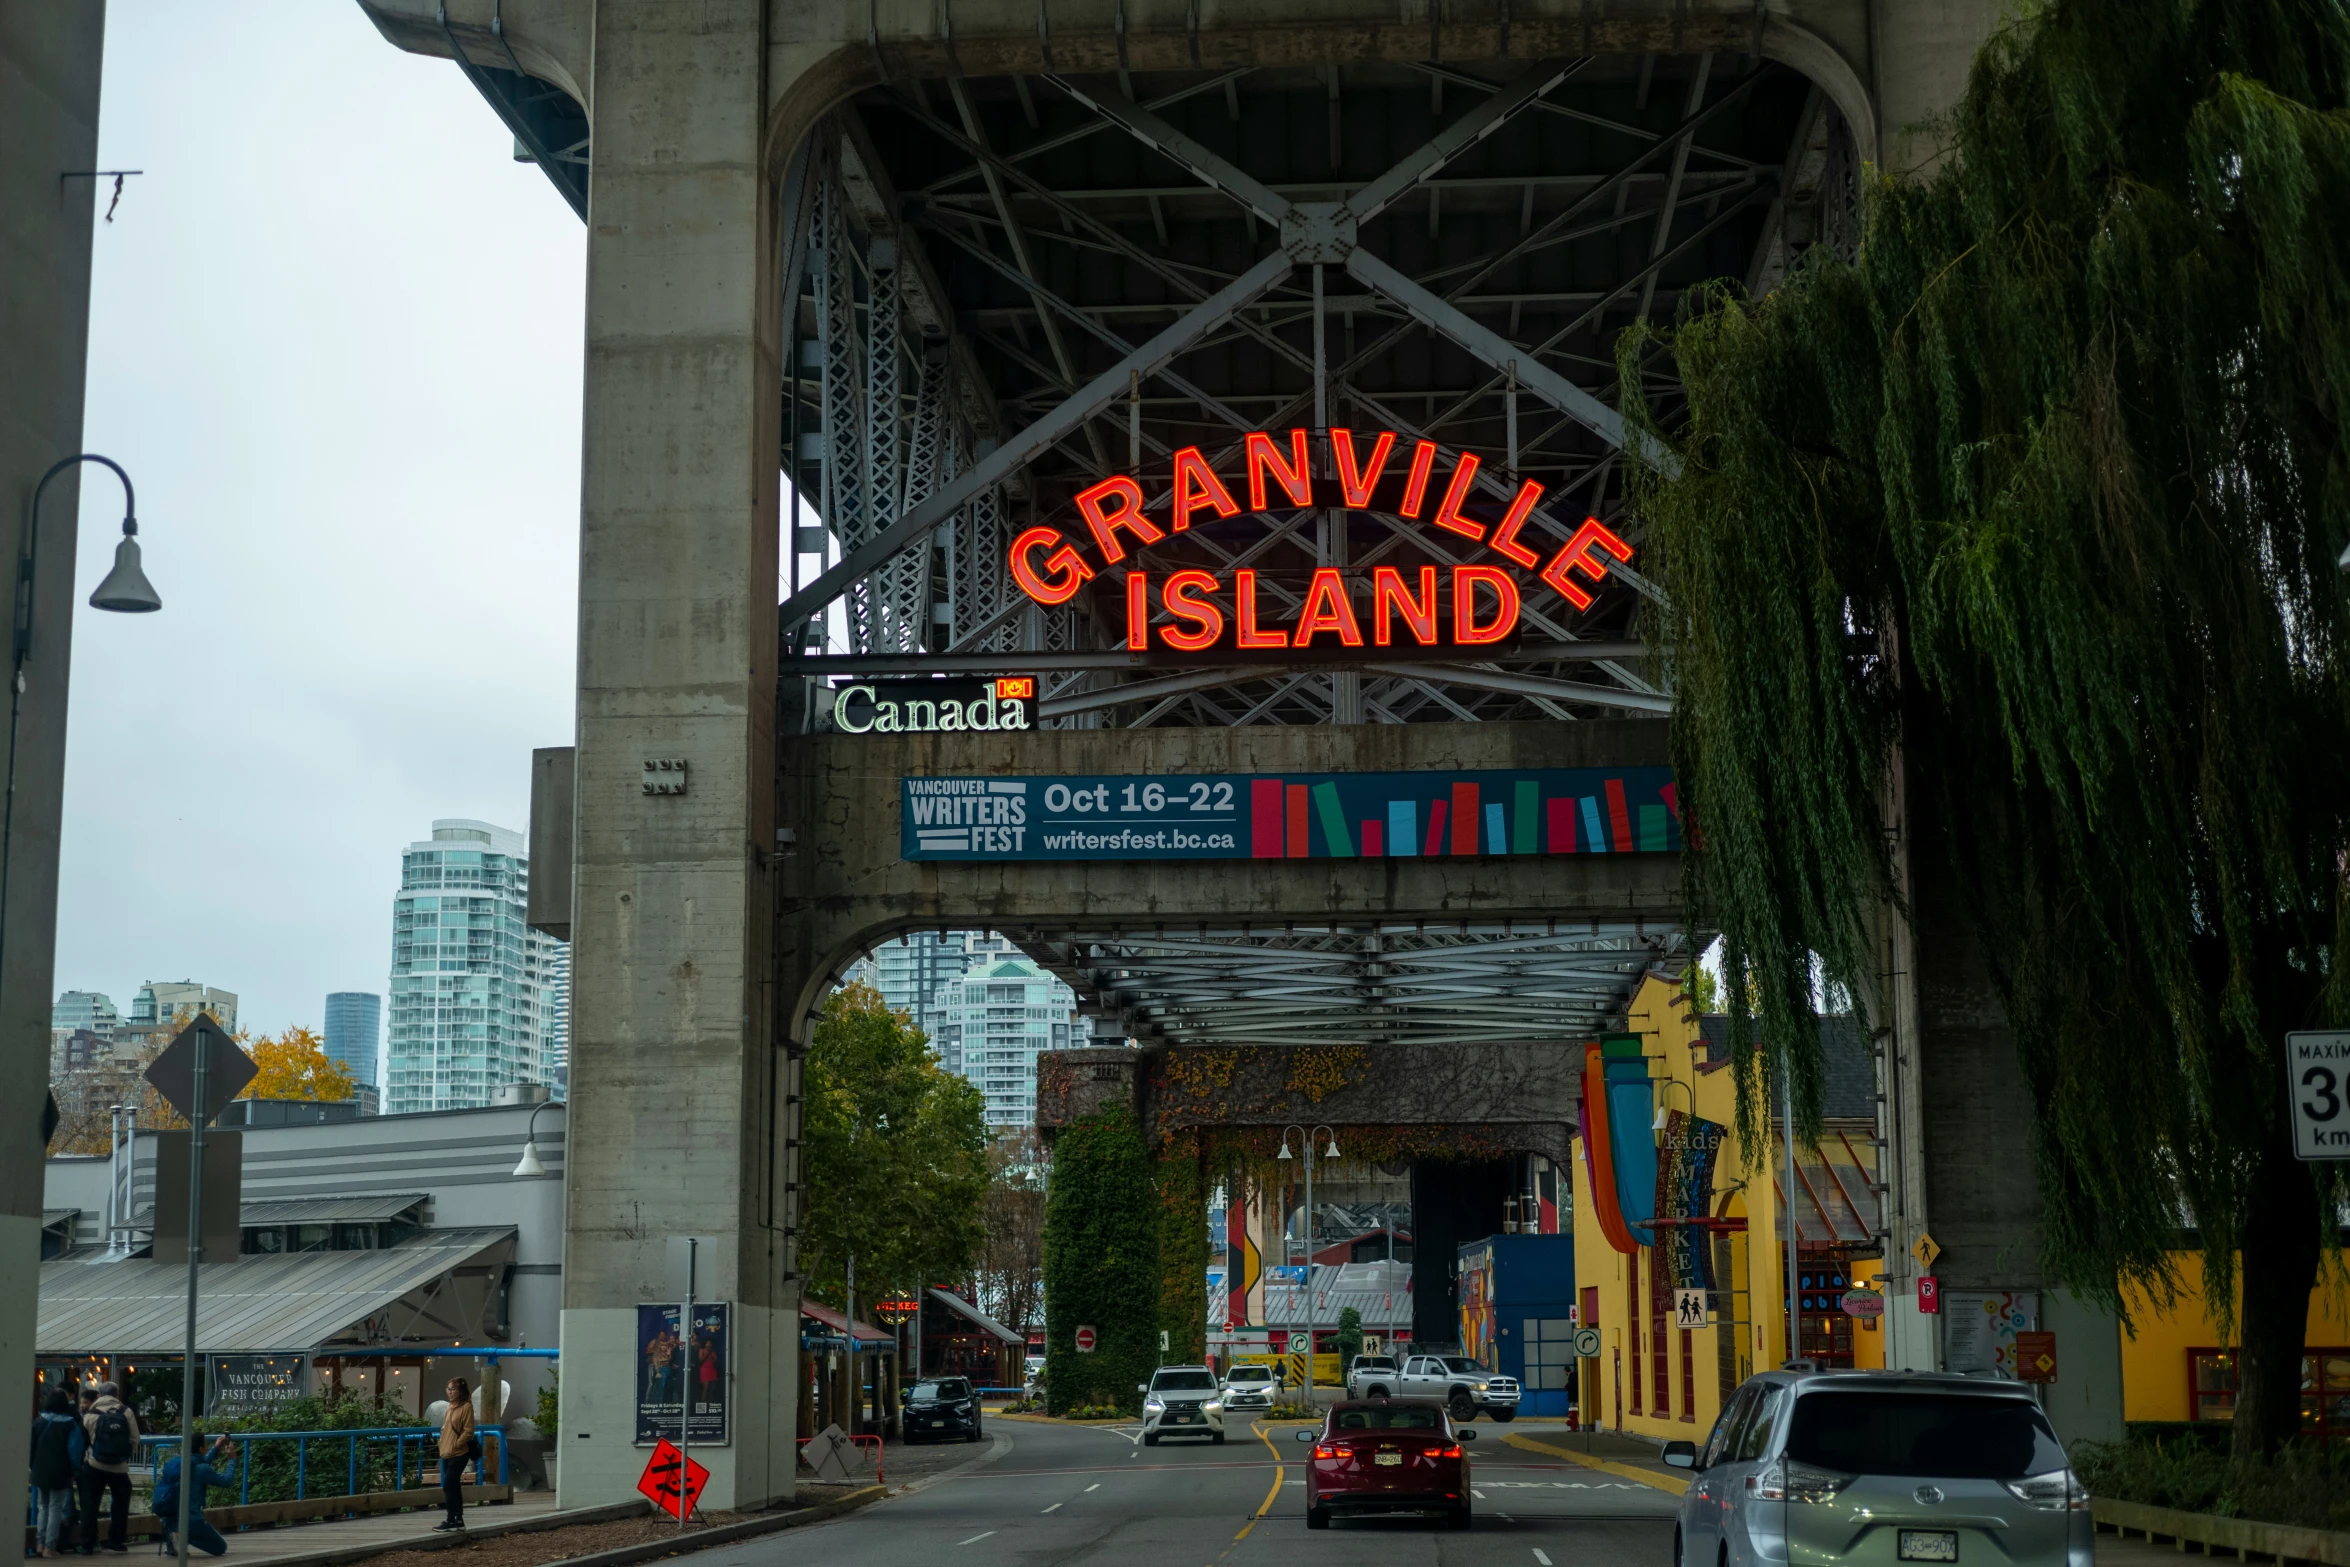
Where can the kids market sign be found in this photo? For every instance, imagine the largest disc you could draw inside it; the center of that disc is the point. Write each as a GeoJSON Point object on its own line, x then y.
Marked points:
{"type": "Point", "coordinates": [1192, 610]}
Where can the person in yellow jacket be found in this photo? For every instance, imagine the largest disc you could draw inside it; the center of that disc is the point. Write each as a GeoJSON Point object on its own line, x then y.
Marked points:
{"type": "Point", "coordinates": [459, 1447]}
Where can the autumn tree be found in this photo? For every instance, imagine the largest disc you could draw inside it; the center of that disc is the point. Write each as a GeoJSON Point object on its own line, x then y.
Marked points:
{"type": "Point", "coordinates": [295, 1065]}
{"type": "Point", "coordinates": [896, 1155]}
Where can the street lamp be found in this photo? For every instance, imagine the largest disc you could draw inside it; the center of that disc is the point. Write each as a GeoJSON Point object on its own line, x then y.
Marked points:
{"type": "Point", "coordinates": [530, 1166]}
{"type": "Point", "coordinates": [1307, 1137]}
{"type": "Point", "coordinates": [125, 591]}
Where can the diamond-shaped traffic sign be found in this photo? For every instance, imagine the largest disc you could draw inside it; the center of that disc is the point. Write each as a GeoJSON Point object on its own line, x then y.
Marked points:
{"type": "Point", "coordinates": [227, 1070]}
{"type": "Point", "coordinates": [666, 1473]}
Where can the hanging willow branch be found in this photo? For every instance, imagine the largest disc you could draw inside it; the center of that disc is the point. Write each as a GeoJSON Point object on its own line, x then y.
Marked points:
{"type": "Point", "coordinates": [2038, 501]}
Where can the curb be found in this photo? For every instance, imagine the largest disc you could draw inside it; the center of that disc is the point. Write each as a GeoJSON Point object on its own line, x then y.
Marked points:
{"type": "Point", "coordinates": [724, 1534]}
{"type": "Point", "coordinates": [339, 1556]}
{"type": "Point", "coordinates": [997, 1447]}
{"type": "Point", "coordinates": [1670, 1483]}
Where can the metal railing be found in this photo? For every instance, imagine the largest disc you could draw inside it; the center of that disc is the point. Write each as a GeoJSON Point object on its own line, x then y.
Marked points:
{"type": "Point", "coordinates": [354, 1452]}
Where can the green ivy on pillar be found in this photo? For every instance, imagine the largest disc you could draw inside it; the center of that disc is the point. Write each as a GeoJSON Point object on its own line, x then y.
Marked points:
{"type": "Point", "coordinates": [1101, 1263]}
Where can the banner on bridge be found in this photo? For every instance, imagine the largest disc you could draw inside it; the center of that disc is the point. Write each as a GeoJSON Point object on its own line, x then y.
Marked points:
{"type": "Point", "coordinates": [1242, 816]}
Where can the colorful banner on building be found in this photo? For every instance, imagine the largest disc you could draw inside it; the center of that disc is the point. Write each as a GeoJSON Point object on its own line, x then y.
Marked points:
{"type": "Point", "coordinates": [1240, 816]}
{"type": "Point", "coordinates": [1684, 1191]}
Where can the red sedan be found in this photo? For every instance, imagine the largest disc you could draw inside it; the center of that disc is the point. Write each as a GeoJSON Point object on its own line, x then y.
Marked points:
{"type": "Point", "coordinates": [1382, 1455]}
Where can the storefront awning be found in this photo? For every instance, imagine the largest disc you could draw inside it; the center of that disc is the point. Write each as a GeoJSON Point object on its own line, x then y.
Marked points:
{"type": "Point", "coordinates": [977, 1318]}
{"type": "Point", "coordinates": [429, 1289]}
{"type": "Point", "coordinates": [834, 1322]}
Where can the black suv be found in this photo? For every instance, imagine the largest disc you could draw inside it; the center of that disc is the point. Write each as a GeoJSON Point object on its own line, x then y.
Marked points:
{"type": "Point", "coordinates": [946, 1407]}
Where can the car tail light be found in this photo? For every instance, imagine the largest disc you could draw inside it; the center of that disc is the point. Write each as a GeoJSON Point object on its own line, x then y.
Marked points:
{"type": "Point", "coordinates": [1784, 1480]}
{"type": "Point", "coordinates": [2057, 1491]}
{"type": "Point", "coordinates": [1445, 1452]}
{"type": "Point", "coordinates": [1326, 1450]}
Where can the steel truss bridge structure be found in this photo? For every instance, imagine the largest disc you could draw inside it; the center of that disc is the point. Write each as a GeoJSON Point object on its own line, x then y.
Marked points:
{"type": "Point", "coordinates": [1473, 982]}
{"type": "Point", "coordinates": [1010, 288]}
{"type": "Point", "coordinates": [1001, 290]}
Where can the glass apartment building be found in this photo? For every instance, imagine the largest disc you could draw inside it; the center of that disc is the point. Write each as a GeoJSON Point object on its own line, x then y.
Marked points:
{"type": "Point", "coordinates": [994, 1022]}
{"type": "Point", "coordinates": [354, 1028]}
{"type": "Point", "coordinates": [88, 1010]}
{"type": "Point", "coordinates": [472, 985]}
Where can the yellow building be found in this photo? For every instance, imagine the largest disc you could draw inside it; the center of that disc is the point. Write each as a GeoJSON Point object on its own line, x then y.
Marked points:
{"type": "Point", "coordinates": [2176, 1366]}
{"type": "Point", "coordinates": [1668, 1082]}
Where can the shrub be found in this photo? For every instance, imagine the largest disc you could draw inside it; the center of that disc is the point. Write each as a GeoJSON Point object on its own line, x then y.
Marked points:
{"type": "Point", "coordinates": [2304, 1484]}
{"type": "Point", "coordinates": [326, 1467]}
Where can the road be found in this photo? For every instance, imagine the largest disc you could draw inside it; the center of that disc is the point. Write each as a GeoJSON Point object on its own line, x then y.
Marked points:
{"type": "Point", "coordinates": [1070, 1495]}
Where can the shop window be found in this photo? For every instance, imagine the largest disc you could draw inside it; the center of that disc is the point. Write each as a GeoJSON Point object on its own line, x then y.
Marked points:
{"type": "Point", "coordinates": [2325, 1389]}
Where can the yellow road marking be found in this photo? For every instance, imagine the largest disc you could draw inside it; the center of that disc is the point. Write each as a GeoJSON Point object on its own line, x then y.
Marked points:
{"type": "Point", "coordinates": [1533, 1444]}
{"type": "Point", "coordinates": [1273, 1492]}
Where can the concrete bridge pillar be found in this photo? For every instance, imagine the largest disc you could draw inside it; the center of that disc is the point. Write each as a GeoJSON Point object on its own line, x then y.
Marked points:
{"type": "Point", "coordinates": [674, 1086]}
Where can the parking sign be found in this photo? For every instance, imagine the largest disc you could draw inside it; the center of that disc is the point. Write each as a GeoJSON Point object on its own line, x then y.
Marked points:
{"type": "Point", "coordinates": [2318, 1064]}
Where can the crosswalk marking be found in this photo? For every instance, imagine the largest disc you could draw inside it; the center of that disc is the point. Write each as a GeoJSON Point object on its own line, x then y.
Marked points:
{"type": "Point", "coordinates": [1540, 1557]}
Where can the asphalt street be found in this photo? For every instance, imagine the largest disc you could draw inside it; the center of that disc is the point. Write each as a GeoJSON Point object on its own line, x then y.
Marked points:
{"type": "Point", "coordinates": [1067, 1495]}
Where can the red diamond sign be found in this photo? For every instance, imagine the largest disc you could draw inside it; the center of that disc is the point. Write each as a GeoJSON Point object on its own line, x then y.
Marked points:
{"type": "Point", "coordinates": [661, 1478]}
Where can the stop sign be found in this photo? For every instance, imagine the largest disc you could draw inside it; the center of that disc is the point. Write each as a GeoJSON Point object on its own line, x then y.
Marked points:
{"type": "Point", "coordinates": [1085, 1341]}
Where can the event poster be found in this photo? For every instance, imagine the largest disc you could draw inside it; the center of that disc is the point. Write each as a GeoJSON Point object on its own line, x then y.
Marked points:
{"type": "Point", "coordinates": [664, 1371]}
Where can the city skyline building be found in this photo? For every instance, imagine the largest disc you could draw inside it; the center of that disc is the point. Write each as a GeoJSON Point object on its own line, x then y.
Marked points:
{"type": "Point", "coordinates": [165, 1006]}
{"type": "Point", "coordinates": [994, 1021]}
{"type": "Point", "coordinates": [472, 985]}
{"type": "Point", "coordinates": [354, 1033]}
{"type": "Point", "coordinates": [88, 1011]}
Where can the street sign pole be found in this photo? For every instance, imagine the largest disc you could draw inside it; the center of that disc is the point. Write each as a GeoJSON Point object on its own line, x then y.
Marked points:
{"type": "Point", "coordinates": [685, 1404]}
{"type": "Point", "coordinates": [195, 1259]}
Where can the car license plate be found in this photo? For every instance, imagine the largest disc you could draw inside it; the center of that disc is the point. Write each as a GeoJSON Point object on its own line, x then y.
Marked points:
{"type": "Point", "coordinates": [1929, 1545]}
{"type": "Point", "coordinates": [935, 1424]}
{"type": "Point", "coordinates": [1391, 1460]}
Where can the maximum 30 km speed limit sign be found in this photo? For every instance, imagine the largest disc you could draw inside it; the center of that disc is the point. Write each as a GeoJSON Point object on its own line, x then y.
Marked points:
{"type": "Point", "coordinates": [2318, 1066]}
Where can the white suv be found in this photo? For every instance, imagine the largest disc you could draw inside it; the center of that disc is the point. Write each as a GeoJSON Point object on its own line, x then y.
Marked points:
{"type": "Point", "coordinates": [1249, 1387]}
{"type": "Point", "coordinates": [1181, 1401]}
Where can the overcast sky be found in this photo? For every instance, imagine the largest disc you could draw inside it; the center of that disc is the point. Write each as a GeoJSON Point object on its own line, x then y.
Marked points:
{"type": "Point", "coordinates": [334, 336]}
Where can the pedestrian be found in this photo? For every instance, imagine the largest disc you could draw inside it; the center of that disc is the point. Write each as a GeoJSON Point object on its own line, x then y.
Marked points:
{"type": "Point", "coordinates": [52, 1450]}
{"type": "Point", "coordinates": [111, 1433]}
{"type": "Point", "coordinates": [459, 1446]}
{"type": "Point", "coordinates": [201, 1535]}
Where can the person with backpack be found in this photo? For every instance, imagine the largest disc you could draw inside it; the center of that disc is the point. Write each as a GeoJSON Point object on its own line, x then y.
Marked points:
{"type": "Point", "coordinates": [112, 1432]}
{"type": "Point", "coordinates": [201, 1535]}
{"type": "Point", "coordinates": [53, 1432]}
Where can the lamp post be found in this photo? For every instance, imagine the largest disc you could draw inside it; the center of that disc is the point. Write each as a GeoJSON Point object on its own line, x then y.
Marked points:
{"type": "Point", "coordinates": [530, 1167]}
{"type": "Point", "coordinates": [1307, 1137]}
{"type": "Point", "coordinates": [125, 590]}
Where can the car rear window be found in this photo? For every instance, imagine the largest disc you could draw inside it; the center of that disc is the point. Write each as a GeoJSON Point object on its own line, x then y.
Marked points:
{"type": "Point", "coordinates": [1399, 1417]}
{"type": "Point", "coordinates": [1373, 1363]}
{"type": "Point", "coordinates": [1945, 1435]}
{"type": "Point", "coordinates": [1461, 1365]}
{"type": "Point", "coordinates": [927, 1392]}
{"type": "Point", "coordinates": [1183, 1382]}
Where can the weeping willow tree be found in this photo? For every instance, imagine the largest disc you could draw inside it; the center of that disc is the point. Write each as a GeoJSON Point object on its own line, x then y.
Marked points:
{"type": "Point", "coordinates": [2035, 506]}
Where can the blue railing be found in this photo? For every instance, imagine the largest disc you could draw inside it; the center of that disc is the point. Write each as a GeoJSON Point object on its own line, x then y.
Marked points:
{"type": "Point", "coordinates": [426, 1438]}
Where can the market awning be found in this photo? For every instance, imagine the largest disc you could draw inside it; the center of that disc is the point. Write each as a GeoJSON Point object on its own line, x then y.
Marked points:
{"type": "Point", "coordinates": [434, 1288]}
{"type": "Point", "coordinates": [979, 1319]}
{"type": "Point", "coordinates": [833, 1321]}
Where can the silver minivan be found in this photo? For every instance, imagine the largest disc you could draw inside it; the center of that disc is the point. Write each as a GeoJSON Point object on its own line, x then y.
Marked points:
{"type": "Point", "coordinates": [1880, 1469]}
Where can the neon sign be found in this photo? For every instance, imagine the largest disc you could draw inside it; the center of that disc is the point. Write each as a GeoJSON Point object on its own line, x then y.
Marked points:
{"type": "Point", "coordinates": [1469, 605]}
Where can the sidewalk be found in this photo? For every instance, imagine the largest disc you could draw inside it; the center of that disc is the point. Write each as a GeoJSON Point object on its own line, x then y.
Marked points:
{"type": "Point", "coordinates": [383, 1531]}
{"type": "Point", "coordinates": [1626, 1457]}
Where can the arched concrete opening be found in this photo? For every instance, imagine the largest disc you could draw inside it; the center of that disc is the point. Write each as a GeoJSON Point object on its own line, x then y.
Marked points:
{"type": "Point", "coordinates": [775, 192]}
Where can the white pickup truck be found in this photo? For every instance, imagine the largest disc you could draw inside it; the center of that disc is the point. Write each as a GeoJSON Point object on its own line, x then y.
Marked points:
{"type": "Point", "coordinates": [1465, 1388]}
{"type": "Point", "coordinates": [1373, 1376]}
